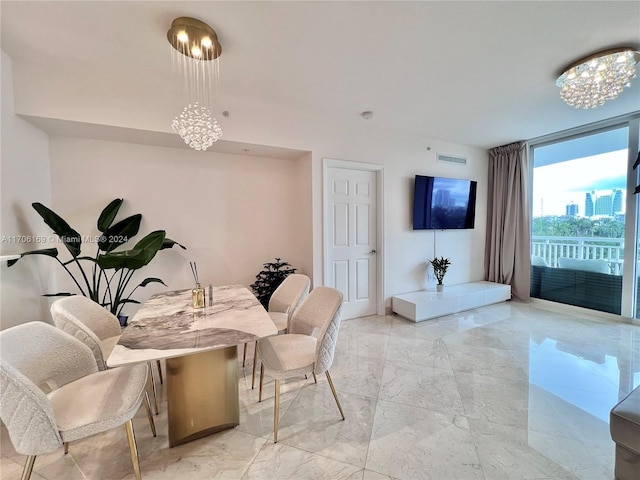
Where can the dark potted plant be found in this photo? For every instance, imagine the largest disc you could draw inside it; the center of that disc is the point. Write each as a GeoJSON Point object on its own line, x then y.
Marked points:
{"type": "Point", "coordinates": [105, 276]}
{"type": "Point", "coordinates": [269, 279]}
{"type": "Point", "coordinates": [440, 267]}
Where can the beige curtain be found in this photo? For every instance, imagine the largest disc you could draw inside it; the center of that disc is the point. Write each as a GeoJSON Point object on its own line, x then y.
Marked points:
{"type": "Point", "coordinates": [507, 249]}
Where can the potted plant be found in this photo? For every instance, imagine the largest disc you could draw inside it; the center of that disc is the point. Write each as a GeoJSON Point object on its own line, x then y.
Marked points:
{"type": "Point", "coordinates": [104, 277]}
{"type": "Point", "coordinates": [440, 267]}
{"type": "Point", "coordinates": [269, 279]}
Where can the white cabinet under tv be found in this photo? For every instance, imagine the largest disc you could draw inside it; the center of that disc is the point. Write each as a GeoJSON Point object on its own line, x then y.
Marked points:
{"type": "Point", "coordinates": [426, 304]}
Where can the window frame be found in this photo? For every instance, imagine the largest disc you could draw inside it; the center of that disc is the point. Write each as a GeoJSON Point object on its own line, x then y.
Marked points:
{"type": "Point", "coordinates": [632, 122]}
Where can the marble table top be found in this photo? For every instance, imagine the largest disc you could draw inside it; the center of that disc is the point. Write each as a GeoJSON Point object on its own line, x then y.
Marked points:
{"type": "Point", "coordinates": [168, 326]}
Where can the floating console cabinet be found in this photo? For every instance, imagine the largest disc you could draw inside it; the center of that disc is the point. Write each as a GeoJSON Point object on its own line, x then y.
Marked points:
{"type": "Point", "coordinates": [418, 306]}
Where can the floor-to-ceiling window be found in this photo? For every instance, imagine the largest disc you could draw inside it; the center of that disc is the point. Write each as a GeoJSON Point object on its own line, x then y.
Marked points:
{"type": "Point", "coordinates": [583, 214]}
{"type": "Point", "coordinates": [632, 272]}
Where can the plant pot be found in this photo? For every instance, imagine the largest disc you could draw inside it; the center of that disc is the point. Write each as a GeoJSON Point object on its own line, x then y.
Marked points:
{"type": "Point", "coordinates": [440, 287]}
{"type": "Point", "coordinates": [123, 319]}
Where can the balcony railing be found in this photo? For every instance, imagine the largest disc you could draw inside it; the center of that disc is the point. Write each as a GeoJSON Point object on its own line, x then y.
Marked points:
{"type": "Point", "coordinates": [583, 248]}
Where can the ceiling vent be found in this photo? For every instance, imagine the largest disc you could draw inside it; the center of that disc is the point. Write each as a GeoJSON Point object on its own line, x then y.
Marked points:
{"type": "Point", "coordinates": [443, 158]}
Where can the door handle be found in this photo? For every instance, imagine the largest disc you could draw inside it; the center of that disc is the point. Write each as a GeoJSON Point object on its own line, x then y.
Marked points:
{"type": "Point", "coordinates": [372, 252]}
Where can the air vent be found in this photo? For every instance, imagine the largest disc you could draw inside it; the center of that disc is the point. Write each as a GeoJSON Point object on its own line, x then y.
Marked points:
{"type": "Point", "coordinates": [451, 159]}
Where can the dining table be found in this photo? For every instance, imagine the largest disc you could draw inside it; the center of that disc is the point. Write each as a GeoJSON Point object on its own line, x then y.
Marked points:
{"type": "Point", "coordinates": [199, 346]}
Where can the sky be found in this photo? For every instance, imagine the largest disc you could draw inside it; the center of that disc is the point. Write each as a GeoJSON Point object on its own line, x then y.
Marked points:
{"type": "Point", "coordinates": [558, 184]}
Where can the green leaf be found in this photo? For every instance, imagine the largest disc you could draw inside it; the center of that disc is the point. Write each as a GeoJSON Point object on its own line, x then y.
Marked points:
{"type": "Point", "coordinates": [128, 300]}
{"type": "Point", "coordinates": [49, 252]}
{"type": "Point", "coordinates": [90, 259]}
{"type": "Point", "coordinates": [149, 280]}
{"type": "Point", "coordinates": [168, 243]}
{"type": "Point", "coordinates": [139, 256]}
{"type": "Point", "coordinates": [108, 215]}
{"type": "Point", "coordinates": [120, 233]}
{"type": "Point", "coordinates": [71, 239]}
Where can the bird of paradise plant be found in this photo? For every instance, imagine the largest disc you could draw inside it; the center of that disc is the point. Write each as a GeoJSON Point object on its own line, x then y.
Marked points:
{"type": "Point", "coordinates": [105, 276]}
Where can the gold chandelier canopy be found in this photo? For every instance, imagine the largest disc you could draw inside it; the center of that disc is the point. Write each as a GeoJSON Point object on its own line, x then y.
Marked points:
{"type": "Point", "coordinates": [194, 38]}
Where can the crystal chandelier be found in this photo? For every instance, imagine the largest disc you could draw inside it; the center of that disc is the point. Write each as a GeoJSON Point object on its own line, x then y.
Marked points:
{"type": "Point", "coordinates": [600, 77]}
{"type": "Point", "coordinates": [194, 58]}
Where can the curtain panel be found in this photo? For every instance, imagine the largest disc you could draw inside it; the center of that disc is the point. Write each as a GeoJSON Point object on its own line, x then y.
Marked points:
{"type": "Point", "coordinates": [508, 243]}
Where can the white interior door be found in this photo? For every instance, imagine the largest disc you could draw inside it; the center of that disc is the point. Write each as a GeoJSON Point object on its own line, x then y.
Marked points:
{"type": "Point", "coordinates": [351, 238]}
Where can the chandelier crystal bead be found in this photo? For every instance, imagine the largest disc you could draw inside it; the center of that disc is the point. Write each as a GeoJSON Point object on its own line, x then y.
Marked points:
{"type": "Point", "coordinates": [596, 79]}
{"type": "Point", "coordinates": [197, 127]}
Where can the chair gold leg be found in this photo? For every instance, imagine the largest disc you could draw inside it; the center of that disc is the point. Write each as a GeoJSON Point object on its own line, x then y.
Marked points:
{"type": "Point", "coordinates": [255, 362]}
{"type": "Point", "coordinates": [276, 412]}
{"type": "Point", "coordinates": [261, 383]}
{"type": "Point", "coordinates": [244, 354]}
{"type": "Point", "coordinates": [133, 448]}
{"type": "Point", "coordinates": [28, 467]}
{"type": "Point", "coordinates": [335, 395]}
{"type": "Point", "coordinates": [159, 365]}
{"type": "Point", "coordinates": [66, 447]}
{"type": "Point", "coordinates": [314, 377]}
{"type": "Point", "coordinates": [147, 407]}
{"type": "Point", "coordinates": [152, 388]}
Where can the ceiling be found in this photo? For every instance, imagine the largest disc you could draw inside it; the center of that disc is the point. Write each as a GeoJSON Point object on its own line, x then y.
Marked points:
{"type": "Point", "coordinates": [476, 73]}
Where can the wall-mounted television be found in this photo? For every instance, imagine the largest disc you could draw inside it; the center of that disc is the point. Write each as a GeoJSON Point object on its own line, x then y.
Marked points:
{"type": "Point", "coordinates": [443, 203]}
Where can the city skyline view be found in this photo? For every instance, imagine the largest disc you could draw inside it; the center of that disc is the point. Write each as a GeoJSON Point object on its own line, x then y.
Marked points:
{"type": "Point", "coordinates": [557, 185]}
{"type": "Point", "coordinates": [450, 192]}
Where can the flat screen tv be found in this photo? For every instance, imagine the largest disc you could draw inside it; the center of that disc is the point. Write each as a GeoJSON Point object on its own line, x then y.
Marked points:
{"type": "Point", "coordinates": [443, 203]}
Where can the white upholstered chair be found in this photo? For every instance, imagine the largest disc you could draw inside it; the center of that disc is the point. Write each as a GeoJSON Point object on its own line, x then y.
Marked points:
{"type": "Point", "coordinates": [96, 327]}
{"type": "Point", "coordinates": [308, 347]}
{"type": "Point", "coordinates": [283, 303]}
{"type": "Point", "coordinates": [52, 392]}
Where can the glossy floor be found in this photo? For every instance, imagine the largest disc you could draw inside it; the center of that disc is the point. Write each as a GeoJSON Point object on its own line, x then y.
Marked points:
{"type": "Point", "coordinates": [508, 391]}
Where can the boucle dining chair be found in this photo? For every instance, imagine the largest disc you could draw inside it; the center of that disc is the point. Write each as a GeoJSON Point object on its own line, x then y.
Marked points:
{"type": "Point", "coordinates": [97, 328]}
{"type": "Point", "coordinates": [52, 392]}
{"type": "Point", "coordinates": [283, 303]}
{"type": "Point", "coordinates": [308, 347]}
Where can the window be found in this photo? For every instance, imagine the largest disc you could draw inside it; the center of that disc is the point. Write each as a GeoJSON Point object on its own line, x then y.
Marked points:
{"type": "Point", "coordinates": [579, 218]}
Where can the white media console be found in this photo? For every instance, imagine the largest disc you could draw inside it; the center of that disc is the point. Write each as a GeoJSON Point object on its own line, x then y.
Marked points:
{"type": "Point", "coordinates": [418, 306]}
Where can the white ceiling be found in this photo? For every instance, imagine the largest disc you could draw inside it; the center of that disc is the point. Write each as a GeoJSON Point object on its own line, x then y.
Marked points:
{"type": "Point", "coordinates": [476, 73]}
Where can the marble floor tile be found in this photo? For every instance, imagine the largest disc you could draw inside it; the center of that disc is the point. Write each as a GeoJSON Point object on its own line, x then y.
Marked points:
{"type": "Point", "coordinates": [352, 342]}
{"type": "Point", "coordinates": [256, 417]}
{"type": "Point", "coordinates": [479, 337]}
{"type": "Point", "coordinates": [495, 400]}
{"type": "Point", "coordinates": [225, 455]}
{"type": "Point", "coordinates": [9, 467]}
{"type": "Point", "coordinates": [506, 454]}
{"type": "Point", "coordinates": [313, 423]}
{"type": "Point", "coordinates": [419, 351]}
{"type": "Point", "coordinates": [419, 386]}
{"type": "Point", "coordinates": [411, 443]}
{"type": "Point", "coordinates": [426, 330]}
{"type": "Point", "coordinates": [357, 375]}
{"type": "Point", "coordinates": [490, 362]}
{"type": "Point", "coordinates": [379, 324]}
{"type": "Point", "coordinates": [370, 475]}
{"type": "Point", "coordinates": [510, 391]}
{"type": "Point", "coordinates": [584, 458]}
{"type": "Point", "coordinates": [282, 462]}
{"type": "Point", "coordinates": [472, 319]}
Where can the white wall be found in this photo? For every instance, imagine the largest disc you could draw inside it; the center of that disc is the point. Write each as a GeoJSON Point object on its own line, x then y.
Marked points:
{"type": "Point", "coordinates": [232, 212]}
{"type": "Point", "coordinates": [406, 250]}
{"type": "Point", "coordinates": [402, 154]}
{"type": "Point", "coordinates": [465, 248]}
{"type": "Point", "coordinates": [25, 178]}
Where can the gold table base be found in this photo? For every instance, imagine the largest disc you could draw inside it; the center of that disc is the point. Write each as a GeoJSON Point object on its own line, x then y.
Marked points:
{"type": "Point", "coordinates": [202, 394]}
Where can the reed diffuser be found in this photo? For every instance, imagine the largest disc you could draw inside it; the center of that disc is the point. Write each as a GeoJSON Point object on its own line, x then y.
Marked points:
{"type": "Point", "coordinates": [197, 294]}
